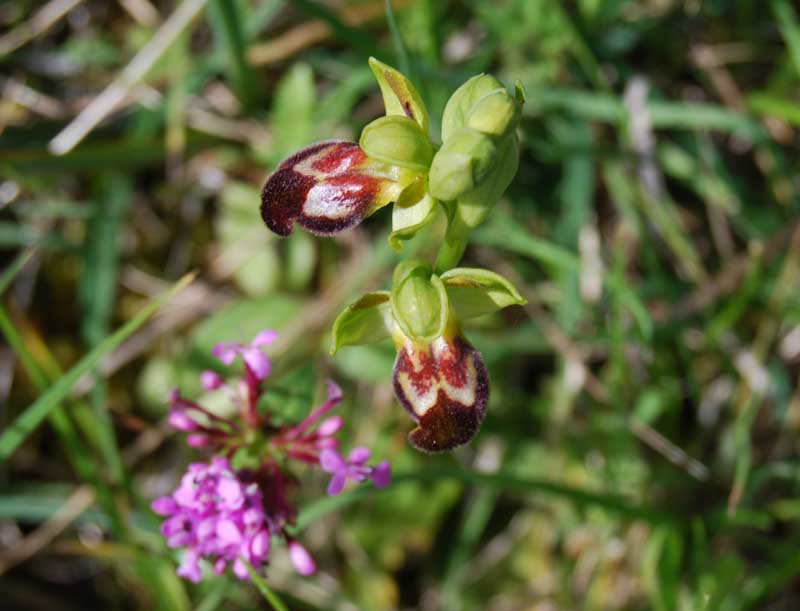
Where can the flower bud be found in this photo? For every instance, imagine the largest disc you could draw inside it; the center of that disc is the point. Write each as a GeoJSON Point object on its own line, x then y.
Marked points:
{"type": "Point", "coordinates": [301, 559]}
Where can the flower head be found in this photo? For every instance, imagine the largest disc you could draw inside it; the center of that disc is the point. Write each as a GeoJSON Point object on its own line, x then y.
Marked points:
{"type": "Point", "coordinates": [227, 516]}
{"type": "Point", "coordinates": [252, 354]}
{"type": "Point", "coordinates": [217, 514]}
{"type": "Point", "coordinates": [354, 469]}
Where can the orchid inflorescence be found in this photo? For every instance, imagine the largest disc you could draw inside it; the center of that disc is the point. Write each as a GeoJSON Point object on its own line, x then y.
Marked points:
{"type": "Point", "coordinates": [228, 511]}
{"type": "Point", "coordinates": [328, 187]}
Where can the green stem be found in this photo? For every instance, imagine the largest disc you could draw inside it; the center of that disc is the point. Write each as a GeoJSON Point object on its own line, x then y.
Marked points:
{"type": "Point", "coordinates": [454, 245]}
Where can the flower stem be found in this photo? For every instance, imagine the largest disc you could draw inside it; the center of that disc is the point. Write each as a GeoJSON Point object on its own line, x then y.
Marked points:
{"type": "Point", "coordinates": [455, 242]}
{"type": "Point", "coordinates": [270, 596]}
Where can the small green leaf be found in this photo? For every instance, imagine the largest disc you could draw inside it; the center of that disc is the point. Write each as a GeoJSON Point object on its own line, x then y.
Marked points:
{"type": "Point", "coordinates": [399, 95]}
{"type": "Point", "coordinates": [397, 141]}
{"type": "Point", "coordinates": [363, 321]}
{"type": "Point", "coordinates": [475, 292]}
{"type": "Point", "coordinates": [419, 301]}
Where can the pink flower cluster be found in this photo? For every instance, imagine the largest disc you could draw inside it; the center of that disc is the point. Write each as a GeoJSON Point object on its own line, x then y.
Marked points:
{"type": "Point", "coordinates": [216, 514]}
{"type": "Point", "coordinates": [229, 516]}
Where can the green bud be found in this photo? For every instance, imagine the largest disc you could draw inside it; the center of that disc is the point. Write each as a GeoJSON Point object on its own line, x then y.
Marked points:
{"type": "Point", "coordinates": [475, 292]}
{"type": "Point", "coordinates": [419, 301]}
{"type": "Point", "coordinates": [494, 114]}
{"type": "Point", "coordinates": [400, 97]}
{"type": "Point", "coordinates": [464, 160]}
{"type": "Point", "coordinates": [364, 321]}
{"type": "Point", "coordinates": [397, 141]}
{"type": "Point", "coordinates": [462, 101]}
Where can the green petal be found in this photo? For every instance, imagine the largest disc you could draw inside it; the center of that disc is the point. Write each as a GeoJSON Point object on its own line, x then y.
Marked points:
{"type": "Point", "coordinates": [364, 321]}
{"type": "Point", "coordinates": [474, 292]}
{"type": "Point", "coordinates": [406, 222]}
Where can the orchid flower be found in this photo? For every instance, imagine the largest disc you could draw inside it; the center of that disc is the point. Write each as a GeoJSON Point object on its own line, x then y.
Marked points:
{"type": "Point", "coordinates": [439, 377]}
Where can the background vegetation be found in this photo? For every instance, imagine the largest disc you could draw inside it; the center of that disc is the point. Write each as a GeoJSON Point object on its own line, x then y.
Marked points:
{"type": "Point", "coordinates": [641, 446]}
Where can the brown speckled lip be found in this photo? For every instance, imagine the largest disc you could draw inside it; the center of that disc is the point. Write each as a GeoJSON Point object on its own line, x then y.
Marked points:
{"type": "Point", "coordinates": [335, 165]}
{"type": "Point", "coordinates": [448, 423]}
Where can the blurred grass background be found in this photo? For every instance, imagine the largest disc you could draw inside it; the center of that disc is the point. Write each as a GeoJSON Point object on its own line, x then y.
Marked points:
{"type": "Point", "coordinates": [640, 450]}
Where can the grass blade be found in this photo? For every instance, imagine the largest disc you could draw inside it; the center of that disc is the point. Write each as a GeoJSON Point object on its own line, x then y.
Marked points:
{"type": "Point", "coordinates": [8, 275]}
{"type": "Point", "coordinates": [33, 415]}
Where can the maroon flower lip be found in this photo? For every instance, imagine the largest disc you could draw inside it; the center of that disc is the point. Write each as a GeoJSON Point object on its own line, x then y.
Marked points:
{"type": "Point", "coordinates": [326, 188]}
{"type": "Point", "coordinates": [444, 386]}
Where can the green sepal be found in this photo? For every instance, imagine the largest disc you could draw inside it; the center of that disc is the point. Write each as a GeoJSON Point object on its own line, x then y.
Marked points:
{"type": "Point", "coordinates": [464, 161]}
{"type": "Point", "coordinates": [419, 301]}
{"type": "Point", "coordinates": [400, 97]}
{"type": "Point", "coordinates": [474, 292]}
{"type": "Point", "coordinates": [397, 141]}
{"type": "Point", "coordinates": [366, 320]}
{"type": "Point", "coordinates": [460, 104]}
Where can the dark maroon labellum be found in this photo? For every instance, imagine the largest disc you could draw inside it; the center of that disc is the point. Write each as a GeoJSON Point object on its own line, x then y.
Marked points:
{"type": "Point", "coordinates": [444, 386]}
{"type": "Point", "coordinates": [325, 188]}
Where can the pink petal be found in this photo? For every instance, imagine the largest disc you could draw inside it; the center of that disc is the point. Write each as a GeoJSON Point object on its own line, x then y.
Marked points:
{"type": "Point", "coordinates": [301, 559]}
{"type": "Point", "coordinates": [240, 569]}
{"type": "Point", "coordinates": [220, 565]}
{"type": "Point", "coordinates": [382, 475]}
{"type": "Point", "coordinates": [231, 492]}
{"type": "Point", "coordinates": [336, 485]}
{"type": "Point", "coordinates": [358, 456]}
{"type": "Point", "coordinates": [189, 568]}
{"type": "Point", "coordinates": [257, 361]}
{"type": "Point", "coordinates": [226, 351]}
{"type": "Point", "coordinates": [330, 426]}
{"type": "Point", "coordinates": [198, 440]}
{"type": "Point", "coordinates": [334, 391]}
{"type": "Point", "coordinates": [228, 533]}
{"type": "Point", "coordinates": [331, 461]}
{"type": "Point", "coordinates": [181, 421]}
{"type": "Point", "coordinates": [211, 380]}
{"type": "Point", "coordinates": [259, 547]}
{"type": "Point", "coordinates": [164, 506]}
{"type": "Point", "coordinates": [264, 338]}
